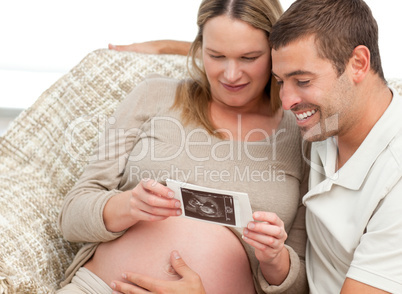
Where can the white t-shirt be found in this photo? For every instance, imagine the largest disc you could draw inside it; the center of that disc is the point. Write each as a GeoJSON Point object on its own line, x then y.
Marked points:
{"type": "Point", "coordinates": [354, 215]}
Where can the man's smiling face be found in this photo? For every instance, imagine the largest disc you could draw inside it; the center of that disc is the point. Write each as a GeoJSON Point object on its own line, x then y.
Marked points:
{"type": "Point", "coordinates": [311, 89]}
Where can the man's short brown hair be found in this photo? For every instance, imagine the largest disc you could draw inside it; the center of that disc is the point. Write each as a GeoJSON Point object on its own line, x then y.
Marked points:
{"type": "Point", "coordinates": [339, 26]}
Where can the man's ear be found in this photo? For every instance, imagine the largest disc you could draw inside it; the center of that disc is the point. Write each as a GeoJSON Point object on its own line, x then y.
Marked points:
{"type": "Point", "coordinates": [360, 63]}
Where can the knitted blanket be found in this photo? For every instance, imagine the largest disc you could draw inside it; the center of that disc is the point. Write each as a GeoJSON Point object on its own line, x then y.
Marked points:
{"type": "Point", "coordinates": [43, 153]}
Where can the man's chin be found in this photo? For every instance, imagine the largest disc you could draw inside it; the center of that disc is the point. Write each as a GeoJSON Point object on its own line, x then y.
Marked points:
{"type": "Point", "coordinates": [314, 134]}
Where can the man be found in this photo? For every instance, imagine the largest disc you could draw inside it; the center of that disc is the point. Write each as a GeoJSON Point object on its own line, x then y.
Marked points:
{"type": "Point", "coordinates": [326, 60]}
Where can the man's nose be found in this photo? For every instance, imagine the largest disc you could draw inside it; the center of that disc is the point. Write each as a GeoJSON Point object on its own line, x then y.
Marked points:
{"type": "Point", "coordinates": [289, 96]}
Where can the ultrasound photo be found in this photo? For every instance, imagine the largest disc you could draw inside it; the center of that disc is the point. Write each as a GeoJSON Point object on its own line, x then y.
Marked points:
{"type": "Point", "coordinates": [209, 206]}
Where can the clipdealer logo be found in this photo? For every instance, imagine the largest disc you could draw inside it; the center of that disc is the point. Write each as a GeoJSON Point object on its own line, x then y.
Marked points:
{"type": "Point", "coordinates": [203, 174]}
{"type": "Point", "coordinates": [113, 142]}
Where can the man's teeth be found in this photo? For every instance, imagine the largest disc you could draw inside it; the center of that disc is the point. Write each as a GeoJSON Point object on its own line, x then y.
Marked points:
{"type": "Point", "coordinates": [305, 115]}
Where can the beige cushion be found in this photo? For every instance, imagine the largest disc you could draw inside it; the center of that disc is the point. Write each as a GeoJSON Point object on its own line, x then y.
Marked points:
{"type": "Point", "coordinates": [43, 153]}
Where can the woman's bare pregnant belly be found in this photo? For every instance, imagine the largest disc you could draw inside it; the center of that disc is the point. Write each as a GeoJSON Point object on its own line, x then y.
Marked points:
{"type": "Point", "coordinates": [212, 251]}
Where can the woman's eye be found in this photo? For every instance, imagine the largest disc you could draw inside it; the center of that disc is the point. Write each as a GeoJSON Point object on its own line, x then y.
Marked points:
{"type": "Point", "coordinates": [250, 58]}
{"type": "Point", "coordinates": [216, 56]}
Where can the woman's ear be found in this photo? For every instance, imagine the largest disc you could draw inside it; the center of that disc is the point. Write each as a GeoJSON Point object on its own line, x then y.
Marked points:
{"type": "Point", "coordinates": [360, 63]}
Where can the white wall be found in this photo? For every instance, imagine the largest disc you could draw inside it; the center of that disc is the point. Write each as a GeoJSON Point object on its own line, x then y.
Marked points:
{"type": "Point", "coordinates": [43, 39]}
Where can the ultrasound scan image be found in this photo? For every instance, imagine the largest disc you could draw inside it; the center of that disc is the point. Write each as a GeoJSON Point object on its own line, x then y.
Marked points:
{"type": "Point", "coordinates": [209, 206]}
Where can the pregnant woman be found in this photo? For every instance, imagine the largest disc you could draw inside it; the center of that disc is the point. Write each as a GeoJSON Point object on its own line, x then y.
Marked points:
{"type": "Point", "coordinates": [223, 128]}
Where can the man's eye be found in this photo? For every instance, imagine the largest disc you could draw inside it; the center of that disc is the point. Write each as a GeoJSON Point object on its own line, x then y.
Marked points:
{"type": "Point", "coordinates": [280, 83]}
{"type": "Point", "coordinates": [303, 83]}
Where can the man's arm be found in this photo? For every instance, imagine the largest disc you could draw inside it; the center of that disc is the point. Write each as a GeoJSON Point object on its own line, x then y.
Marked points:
{"type": "Point", "coordinates": [156, 47]}
{"type": "Point", "coordinates": [352, 286]}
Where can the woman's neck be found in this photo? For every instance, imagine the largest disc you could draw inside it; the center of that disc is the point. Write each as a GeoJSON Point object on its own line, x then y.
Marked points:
{"type": "Point", "coordinates": [245, 124]}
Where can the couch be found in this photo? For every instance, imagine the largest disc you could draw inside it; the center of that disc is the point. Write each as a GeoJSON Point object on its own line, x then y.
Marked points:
{"type": "Point", "coordinates": [43, 153]}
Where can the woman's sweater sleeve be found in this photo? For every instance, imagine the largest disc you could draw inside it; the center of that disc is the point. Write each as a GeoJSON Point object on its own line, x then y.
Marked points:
{"type": "Point", "coordinates": [81, 216]}
{"type": "Point", "coordinates": [296, 281]}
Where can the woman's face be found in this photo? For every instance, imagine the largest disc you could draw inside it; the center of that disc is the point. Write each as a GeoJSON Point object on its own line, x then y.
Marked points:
{"type": "Point", "coordinates": [237, 61]}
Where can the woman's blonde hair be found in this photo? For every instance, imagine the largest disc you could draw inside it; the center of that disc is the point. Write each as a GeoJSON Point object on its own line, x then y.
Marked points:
{"type": "Point", "coordinates": [193, 95]}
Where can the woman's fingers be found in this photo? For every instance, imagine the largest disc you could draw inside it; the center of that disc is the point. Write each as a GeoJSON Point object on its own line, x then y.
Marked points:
{"type": "Point", "coordinates": [152, 201]}
{"type": "Point", "coordinates": [156, 188]}
{"type": "Point", "coordinates": [266, 234]}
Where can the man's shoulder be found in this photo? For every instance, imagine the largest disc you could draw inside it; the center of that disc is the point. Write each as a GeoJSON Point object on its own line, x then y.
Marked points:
{"type": "Point", "coordinates": [396, 146]}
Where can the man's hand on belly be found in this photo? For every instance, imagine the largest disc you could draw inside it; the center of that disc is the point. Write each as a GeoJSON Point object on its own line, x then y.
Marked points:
{"type": "Point", "coordinates": [190, 281]}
